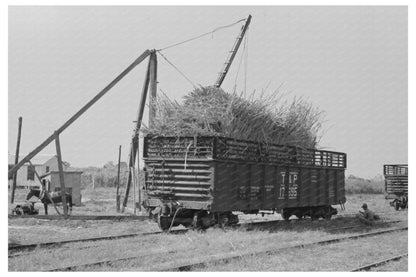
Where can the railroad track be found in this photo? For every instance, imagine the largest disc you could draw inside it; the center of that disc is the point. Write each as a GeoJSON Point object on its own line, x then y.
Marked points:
{"type": "Point", "coordinates": [28, 247]}
{"type": "Point", "coordinates": [221, 258]}
{"type": "Point", "coordinates": [379, 263]}
{"type": "Point", "coordinates": [230, 257]}
{"type": "Point", "coordinates": [83, 217]}
{"type": "Point", "coordinates": [13, 248]}
{"type": "Point", "coordinates": [21, 247]}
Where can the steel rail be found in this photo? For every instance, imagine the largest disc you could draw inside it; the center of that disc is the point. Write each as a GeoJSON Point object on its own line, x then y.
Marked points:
{"type": "Point", "coordinates": [379, 263]}
{"type": "Point", "coordinates": [189, 266]}
{"type": "Point", "coordinates": [230, 257]}
{"type": "Point", "coordinates": [83, 217]}
{"type": "Point", "coordinates": [20, 247]}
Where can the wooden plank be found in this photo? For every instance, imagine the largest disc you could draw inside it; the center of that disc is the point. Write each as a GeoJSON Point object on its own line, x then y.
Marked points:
{"type": "Point", "coordinates": [80, 112]}
{"type": "Point", "coordinates": [236, 45]}
{"type": "Point", "coordinates": [61, 173]}
{"type": "Point", "coordinates": [16, 158]}
{"type": "Point", "coordinates": [135, 139]}
{"type": "Point", "coordinates": [153, 87]}
{"type": "Point", "coordinates": [118, 181]}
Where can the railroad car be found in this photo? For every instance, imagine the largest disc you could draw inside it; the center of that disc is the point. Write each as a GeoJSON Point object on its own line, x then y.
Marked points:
{"type": "Point", "coordinates": [200, 181]}
{"type": "Point", "coordinates": [395, 180]}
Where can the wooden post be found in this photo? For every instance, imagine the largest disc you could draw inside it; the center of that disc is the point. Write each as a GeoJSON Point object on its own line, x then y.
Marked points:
{"type": "Point", "coordinates": [16, 158]}
{"type": "Point", "coordinates": [134, 188]}
{"type": "Point", "coordinates": [233, 52]}
{"type": "Point", "coordinates": [118, 181]}
{"type": "Point", "coordinates": [138, 177]}
{"type": "Point", "coordinates": [61, 173]}
{"type": "Point", "coordinates": [135, 137]}
{"type": "Point", "coordinates": [153, 87]}
{"type": "Point", "coordinates": [46, 192]}
{"type": "Point", "coordinates": [80, 112]}
{"type": "Point", "coordinates": [93, 181]}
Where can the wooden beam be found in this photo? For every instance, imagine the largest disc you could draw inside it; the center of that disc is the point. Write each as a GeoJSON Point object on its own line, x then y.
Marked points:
{"type": "Point", "coordinates": [61, 173]}
{"type": "Point", "coordinates": [153, 87]}
{"type": "Point", "coordinates": [16, 158]}
{"type": "Point", "coordinates": [233, 52]}
{"type": "Point", "coordinates": [138, 179]}
{"type": "Point", "coordinates": [80, 112]}
{"type": "Point", "coordinates": [46, 192]}
{"type": "Point", "coordinates": [135, 137]}
{"type": "Point", "coordinates": [118, 181]}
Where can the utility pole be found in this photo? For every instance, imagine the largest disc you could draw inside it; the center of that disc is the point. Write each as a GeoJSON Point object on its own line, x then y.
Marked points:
{"type": "Point", "coordinates": [16, 158]}
{"type": "Point", "coordinates": [118, 181]}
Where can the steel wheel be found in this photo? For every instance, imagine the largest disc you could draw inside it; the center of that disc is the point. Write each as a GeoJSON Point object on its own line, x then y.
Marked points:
{"type": "Point", "coordinates": [286, 215]}
{"type": "Point", "coordinates": [164, 222]}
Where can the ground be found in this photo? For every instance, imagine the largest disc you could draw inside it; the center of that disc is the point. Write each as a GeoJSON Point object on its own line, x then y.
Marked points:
{"type": "Point", "coordinates": [193, 245]}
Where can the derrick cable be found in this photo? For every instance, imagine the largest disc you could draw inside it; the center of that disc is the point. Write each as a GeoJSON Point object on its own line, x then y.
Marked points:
{"type": "Point", "coordinates": [239, 66]}
{"type": "Point", "coordinates": [177, 69]}
{"type": "Point", "coordinates": [200, 36]}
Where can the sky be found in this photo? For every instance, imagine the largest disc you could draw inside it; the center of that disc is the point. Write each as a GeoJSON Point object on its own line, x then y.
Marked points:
{"type": "Point", "coordinates": [351, 62]}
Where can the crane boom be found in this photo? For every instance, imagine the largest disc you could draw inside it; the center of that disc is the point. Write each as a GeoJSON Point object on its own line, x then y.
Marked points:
{"type": "Point", "coordinates": [233, 52]}
{"type": "Point", "coordinates": [79, 113]}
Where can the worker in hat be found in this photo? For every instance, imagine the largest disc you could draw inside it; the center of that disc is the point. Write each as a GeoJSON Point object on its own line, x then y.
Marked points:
{"type": "Point", "coordinates": [367, 216]}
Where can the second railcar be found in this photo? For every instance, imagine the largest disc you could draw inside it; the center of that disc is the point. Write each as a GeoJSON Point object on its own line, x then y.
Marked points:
{"type": "Point", "coordinates": [200, 181]}
{"type": "Point", "coordinates": [396, 184]}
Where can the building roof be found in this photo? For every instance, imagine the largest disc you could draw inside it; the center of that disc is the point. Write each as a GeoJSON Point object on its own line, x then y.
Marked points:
{"type": "Point", "coordinates": [39, 159]}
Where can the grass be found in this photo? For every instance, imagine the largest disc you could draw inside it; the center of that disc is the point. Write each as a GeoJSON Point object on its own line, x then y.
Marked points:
{"type": "Point", "coordinates": [197, 245]}
{"type": "Point", "coordinates": [343, 256]}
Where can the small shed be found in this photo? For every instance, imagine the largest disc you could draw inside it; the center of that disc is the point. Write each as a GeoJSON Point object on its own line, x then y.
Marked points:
{"type": "Point", "coordinates": [72, 180]}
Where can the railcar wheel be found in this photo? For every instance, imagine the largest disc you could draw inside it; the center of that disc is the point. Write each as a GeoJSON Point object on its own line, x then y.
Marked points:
{"type": "Point", "coordinates": [164, 222]}
{"type": "Point", "coordinates": [286, 215]}
{"type": "Point", "coordinates": [223, 221]}
{"type": "Point", "coordinates": [396, 205]}
{"type": "Point", "coordinates": [327, 213]}
{"type": "Point", "coordinates": [314, 214]}
{"type": "Point", "coordinates": [299, 215]}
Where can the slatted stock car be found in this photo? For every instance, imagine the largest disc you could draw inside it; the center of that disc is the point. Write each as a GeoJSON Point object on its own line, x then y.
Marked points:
{"type": "Point", "coordinates": [396, 184]}
{"type": "Point", "coordinates": [199, 181]}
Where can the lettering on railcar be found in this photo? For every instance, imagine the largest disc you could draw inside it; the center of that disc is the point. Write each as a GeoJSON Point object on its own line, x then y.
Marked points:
{"type": "Point", "coordinates": [293, 185]}
{"type": "Point", "coordinates": [242, 193]}
{"type": "Point", "coordinates": [269, 188]}
{"type": "Point", "coordinates": [254, 193]}
{"type": "Point", "coordinates": [282, 187]}
{"type": "Point", "coordinates": [289, 182]}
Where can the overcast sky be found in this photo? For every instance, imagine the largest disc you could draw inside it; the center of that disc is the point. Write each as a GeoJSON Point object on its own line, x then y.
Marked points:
{"type": "Point", "coordinates": [350, 62]}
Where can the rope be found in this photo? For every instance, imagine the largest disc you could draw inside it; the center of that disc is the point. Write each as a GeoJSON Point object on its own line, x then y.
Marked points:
{"type": "Point", "coordinates": [177, 69]}
{"type": "Point", "coordinates": [200, 36]}
{"type": "Point", "coordinates": [239, 65]}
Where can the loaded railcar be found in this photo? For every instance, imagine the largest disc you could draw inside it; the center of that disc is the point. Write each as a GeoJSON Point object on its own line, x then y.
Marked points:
{"type": "Point", "coordinates": [200, 181]}
{"type": "Point", "coordinates": [396, 184]}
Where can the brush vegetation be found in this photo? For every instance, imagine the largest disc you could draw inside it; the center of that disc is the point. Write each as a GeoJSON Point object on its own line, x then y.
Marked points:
{"type": "Point", "coordinates": [210, 111]}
